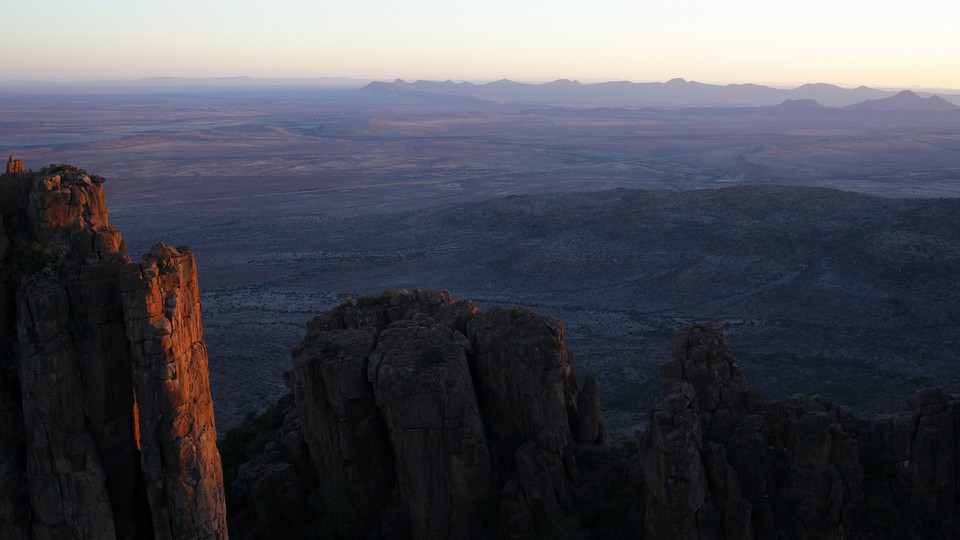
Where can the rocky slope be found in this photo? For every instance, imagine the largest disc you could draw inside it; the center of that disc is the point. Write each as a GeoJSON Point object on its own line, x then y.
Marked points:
{"type": "Point", "coordinates": [455, 423]}
{"type": "Point", "coordinates": [104, 393]}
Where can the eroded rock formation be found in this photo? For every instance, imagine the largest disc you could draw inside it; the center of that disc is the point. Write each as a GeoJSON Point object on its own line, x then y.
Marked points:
{"type": "Point", "coordinates": [466, 420]}
{"type": "Point", "coordinates": [461, 424]}
{"type": "Point", "coordinates": [104, 392]}
{"type": "Point", "coordinates": [719, 462]}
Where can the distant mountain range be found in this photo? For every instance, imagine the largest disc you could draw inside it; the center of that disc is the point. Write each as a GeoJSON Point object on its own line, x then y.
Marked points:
{"type": "Point", "coordinates": [673, 93]}
{"type": "Point", "coordinates": [905, 100]}
{"type": "Point", "coordinates": [161, 84]}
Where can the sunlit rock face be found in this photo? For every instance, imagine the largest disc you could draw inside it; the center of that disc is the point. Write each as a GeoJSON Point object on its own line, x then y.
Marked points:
{"type": "Point", "coordinates": [104, 392]}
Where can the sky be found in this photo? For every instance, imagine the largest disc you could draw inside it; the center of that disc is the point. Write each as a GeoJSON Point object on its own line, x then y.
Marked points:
{"type": "Point", "coordinates": [787, 42]}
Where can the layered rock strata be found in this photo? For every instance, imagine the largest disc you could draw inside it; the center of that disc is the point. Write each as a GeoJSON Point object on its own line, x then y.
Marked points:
{"type": "Point", "coordinates": [104, 388]}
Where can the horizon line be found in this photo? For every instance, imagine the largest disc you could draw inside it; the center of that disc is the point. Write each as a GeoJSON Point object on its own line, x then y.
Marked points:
{"type": "Point", "coordinates": [349, 81]}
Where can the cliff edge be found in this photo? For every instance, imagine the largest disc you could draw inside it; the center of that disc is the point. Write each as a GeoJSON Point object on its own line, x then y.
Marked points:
{"type": "Point", "coordinates": [104, 392]}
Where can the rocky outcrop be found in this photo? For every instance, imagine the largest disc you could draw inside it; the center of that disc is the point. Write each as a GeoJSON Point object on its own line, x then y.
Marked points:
{"type": "Point", "coordinates": [719, 462]}
{"type": "Point", "coordinates": [465, 420]}
{"type": "Point", "coordinates": [347, 438]}
{"type": "Point", "coordinates": [103, 375]}
{"type": "Point", "coordinates": [424, 391]}
{"type": "Point", "coordinates": [911, 456]}
{"type": "Point", "coordinates": [14, 166]}
{"type": "Point", "coordinates": [177, 436]}
{"type": "Point", "coordinates": [526, 386]}
{"type": "Point", "coordinates": [722, 395]}
{"type": "Point", "coordinates": [14, 505]}
{"type": "Point", "coordinates": [432, 417]}
{"type": "Point", "coordinates": [589, 427]}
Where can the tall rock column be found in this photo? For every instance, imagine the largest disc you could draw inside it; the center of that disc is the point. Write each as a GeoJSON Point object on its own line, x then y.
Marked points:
{"type": "Point", "coordinates": [6, 293]}
{"type": "Point", "coordinates": [177, 437]}
{"type": "Point", "coordinates": [524, 372]}
{"type": "Point", "coordinates": [721, 463]}
{"type": "Point", "coordinates": [422, 384]}
{"type": "Point", "coordinates": [678, 502]}
{"type": "Point", "coordinates": [394, 397]}
{"type": "Point", "coordinates": [71, 357]}
{"type": "Point", "coordinates": [14, 503]}
{"type": "Point", "coordinates": [723, 395]}
{"type": "Point", "coordinates": [107, 423]}
{"type": "Point", "coordinates": [64, 470]}
{"type": "Point", "coordinates": [525, 384]}
{"type": "Point", "coordinates": [342, 426]}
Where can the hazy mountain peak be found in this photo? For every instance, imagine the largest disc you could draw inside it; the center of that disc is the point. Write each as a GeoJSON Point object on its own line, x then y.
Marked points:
{"type": "Point", "coordinates": [564, 82]}
{"type": "Point", "coordinates": [799, 104]}
{"type": "Point", "coordinates": [906, 100]}
{"type": "Point", "coordinates": [676, 92]}
{"type": "Point", "coordinates": [811, 86]}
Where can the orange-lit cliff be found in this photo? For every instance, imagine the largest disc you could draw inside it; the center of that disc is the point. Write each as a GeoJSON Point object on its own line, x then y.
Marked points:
{"type": "Point", "coordinates": [104, 391]}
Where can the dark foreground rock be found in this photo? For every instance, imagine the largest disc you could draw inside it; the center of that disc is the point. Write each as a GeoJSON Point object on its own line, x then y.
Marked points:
{"type": "Point", "coordinates": [475, 427]}
{"type": "Point", "coordinates": [719, 462]}
{"type": "Point", "coordinates": [444, 421]}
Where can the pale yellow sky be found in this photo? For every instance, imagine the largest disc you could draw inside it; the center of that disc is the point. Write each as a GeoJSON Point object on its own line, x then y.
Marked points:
{"type": "Point", "coordinates": [849, 42]}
